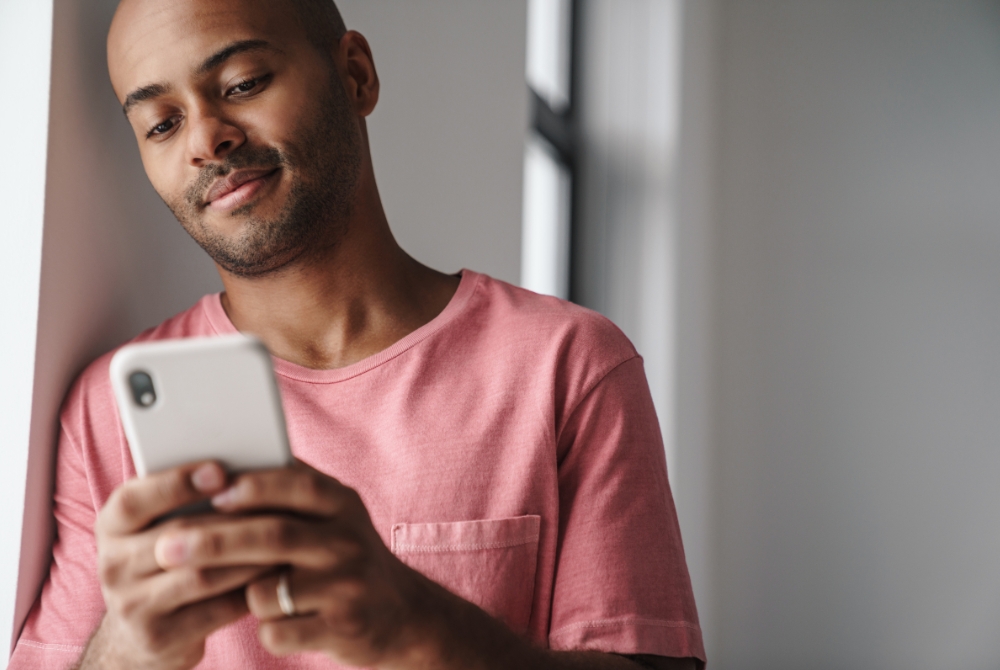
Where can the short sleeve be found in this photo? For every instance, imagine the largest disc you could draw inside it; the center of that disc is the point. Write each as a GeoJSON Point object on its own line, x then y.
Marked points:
{"type": "Point", "coordinates": [621, 582]}
{"type": "Point", "coordinates": [70, 605]}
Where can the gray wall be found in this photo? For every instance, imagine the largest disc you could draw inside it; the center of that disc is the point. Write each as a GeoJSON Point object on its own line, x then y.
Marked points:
{"type": "Point", "coordinates": [643, 233]}
{"type": "Point", "coordinates": [858, 346]}
{"type": "Point", "coordinates": [626, 192]}
{"type": "Point", "coordinates": [448, 133]}
{"type": "Point", "coordinates": [447, 137]}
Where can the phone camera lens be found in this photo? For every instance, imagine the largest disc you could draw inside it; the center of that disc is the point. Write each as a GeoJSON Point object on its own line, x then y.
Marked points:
{"type": "Point", "coordinates": [142, 389]}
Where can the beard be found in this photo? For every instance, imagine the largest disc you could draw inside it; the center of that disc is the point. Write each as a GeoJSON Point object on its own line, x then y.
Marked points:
{"type": "Point", "coordinates": [324, 162]}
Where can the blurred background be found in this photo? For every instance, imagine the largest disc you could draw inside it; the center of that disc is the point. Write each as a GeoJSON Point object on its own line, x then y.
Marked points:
{"type": "Point", "coordinates": [790, 206]}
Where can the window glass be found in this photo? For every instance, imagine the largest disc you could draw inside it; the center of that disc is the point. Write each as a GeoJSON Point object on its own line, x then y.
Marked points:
{"type": "Point", "coordinates": [545, 242]}
{"type": "Point", "coordinates": [548, 62]}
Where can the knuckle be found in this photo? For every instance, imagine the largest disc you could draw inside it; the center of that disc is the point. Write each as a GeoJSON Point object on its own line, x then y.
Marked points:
{"type": "Point", "coordinates": [351, 624]}
{"type": "Point", "coordinates": [328, 556]}
{"type": "Point", "coordinates": [280, 534]}
{"type": "Point", "coordinates": [128, 502]}
{"type": "Point", "coordinates": [198, 581]}
{"type": "Point", "coordinates": [208, 544]}
{"type": "Point", "coordinates": [352, 590]}
{"type": "Point", "coordinates": [117, 562]}
{"type": "Point", "coordinates": [311, 485]}
{"type": "Point", "coordinates": [334, 554]}
{"type": "Point", "coordinates": [129, 607]}
{"type": "Point", "coordinates": [172, 487]}
{"type": "Point", "coordinates": [342, 604]}
{"type": "Point", "coordinates": [109, 571]}
{"type": "Point", "coordinates": [345, 598]}
{"type": "Point", "coordinates": [254, 488]}
{"type": "Point", "coordinates": [250, 537]}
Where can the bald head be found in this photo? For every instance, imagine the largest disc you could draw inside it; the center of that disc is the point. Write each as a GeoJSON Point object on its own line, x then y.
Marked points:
{"type": "Point", "coordinates": [322, 21]}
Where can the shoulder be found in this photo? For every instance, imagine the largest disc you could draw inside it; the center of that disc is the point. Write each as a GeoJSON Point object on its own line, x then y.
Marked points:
{"type": "Point", "coordinates": [545, 321]}
{"type": "Point", "coordinates": [573, 346]}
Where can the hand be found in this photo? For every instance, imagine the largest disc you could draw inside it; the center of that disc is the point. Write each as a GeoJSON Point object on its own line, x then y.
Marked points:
{"type": "Point", "coordinates": [353, 598]}
{"type": "Point", "coordinates": [159, 619]}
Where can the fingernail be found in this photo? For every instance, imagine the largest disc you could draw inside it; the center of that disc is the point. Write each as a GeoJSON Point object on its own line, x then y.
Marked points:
{"type": "Point", "coordinates": [226, 498]}
{"type": "Point", "coordinates": [207, 478]}
{"type": "Point", "coordinates": [174, 550]}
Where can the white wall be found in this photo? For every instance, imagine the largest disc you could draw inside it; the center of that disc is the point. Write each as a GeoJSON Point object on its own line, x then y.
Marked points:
{"type": "Point", "coordinates": [858, 324]}
{"type": "Point", "coordinates": [447, 138]}
{"type": "Point", "coordinates": [25, 44]}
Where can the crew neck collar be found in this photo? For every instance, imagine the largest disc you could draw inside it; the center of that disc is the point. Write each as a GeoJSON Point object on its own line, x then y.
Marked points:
{"type": "Point", "coordinates": [220, 323]}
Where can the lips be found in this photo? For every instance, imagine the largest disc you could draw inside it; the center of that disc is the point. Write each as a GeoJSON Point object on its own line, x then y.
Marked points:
{"type": "Point", "coordinates": [236, 188]}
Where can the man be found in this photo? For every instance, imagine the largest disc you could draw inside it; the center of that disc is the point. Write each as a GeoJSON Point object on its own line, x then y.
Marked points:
{"type": "Point", "coordinates": [480, 479]}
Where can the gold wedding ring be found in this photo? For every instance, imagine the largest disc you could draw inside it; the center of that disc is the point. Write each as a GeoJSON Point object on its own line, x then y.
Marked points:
{"type": "Point", "coordinates": [285, 601]}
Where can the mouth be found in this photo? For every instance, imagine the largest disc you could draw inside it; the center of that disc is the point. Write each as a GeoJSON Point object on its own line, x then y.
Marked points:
{"type": "Point", "coordinates": [238, 188]}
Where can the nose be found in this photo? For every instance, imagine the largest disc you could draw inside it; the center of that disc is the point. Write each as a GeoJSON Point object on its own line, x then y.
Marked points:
{"type": "Point", "coordinates": [211, 137]}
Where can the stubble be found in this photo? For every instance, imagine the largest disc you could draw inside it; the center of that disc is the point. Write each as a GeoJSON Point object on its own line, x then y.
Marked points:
{"type": "Point", "coordinates": [324, 161]}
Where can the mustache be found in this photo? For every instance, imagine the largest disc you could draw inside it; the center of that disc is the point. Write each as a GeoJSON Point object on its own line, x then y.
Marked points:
{"type": "Point", "coordinates": [245, 157]}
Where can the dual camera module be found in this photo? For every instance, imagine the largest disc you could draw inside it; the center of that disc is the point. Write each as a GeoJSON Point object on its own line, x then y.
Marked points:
{"type": "Point", "coordinates": [142, 389]}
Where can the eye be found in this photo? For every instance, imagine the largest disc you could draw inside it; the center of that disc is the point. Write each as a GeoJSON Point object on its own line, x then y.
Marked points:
{"type": "Point", "coordinates": [246, 86]}
{"type": "Point", "coordinates": [162, 128]}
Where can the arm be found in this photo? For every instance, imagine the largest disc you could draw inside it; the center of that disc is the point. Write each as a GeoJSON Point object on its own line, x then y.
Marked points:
{"type": "Point", "coordinates": [460, 635]}
{"type": "Point", "coordinates": [354, 600]}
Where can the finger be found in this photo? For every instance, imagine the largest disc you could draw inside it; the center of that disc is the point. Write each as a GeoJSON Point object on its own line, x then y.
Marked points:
{"type": "Point", "coordinates": [286, 636]}
{"type": "Point", "coordinates": [256, 540]}
{"type": "Point", "coordinates": [199, 620]}
{"type": "Point", "coordinates": [311, 592]}
{"type": "Point", "coordinates": [174, 589]}
{"type": "Point", "coordinates": [298, 488]}
{"type": "Point", "coordinates": [133, 556]}
{"type": "Point", "coordinates": [138, 502]}
{"type": "Point", "coordinates": [125, 559]}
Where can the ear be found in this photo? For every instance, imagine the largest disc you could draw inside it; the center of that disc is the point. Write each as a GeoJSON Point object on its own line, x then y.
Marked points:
{"type": "Point", "coordinates": [360, 78]}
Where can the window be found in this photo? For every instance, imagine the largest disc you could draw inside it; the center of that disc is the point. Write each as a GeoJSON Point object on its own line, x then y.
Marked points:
{"type": "Point", "coordinates": [549, 156]}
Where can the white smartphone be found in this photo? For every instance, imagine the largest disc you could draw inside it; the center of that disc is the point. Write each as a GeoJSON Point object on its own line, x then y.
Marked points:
{"type": "Point", "coordinates": [209, 398]}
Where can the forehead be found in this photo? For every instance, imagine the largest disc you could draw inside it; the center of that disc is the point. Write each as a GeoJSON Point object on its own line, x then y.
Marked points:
{"type": "Point", "coordinates": [152, 41]}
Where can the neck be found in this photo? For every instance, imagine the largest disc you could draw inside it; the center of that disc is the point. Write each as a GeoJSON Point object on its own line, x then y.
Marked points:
{"type": "Point", "coordinates": [348, 303]}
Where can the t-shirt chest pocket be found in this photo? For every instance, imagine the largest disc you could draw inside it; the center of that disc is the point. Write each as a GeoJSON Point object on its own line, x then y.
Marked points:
{"type": "Point", "coordinates": [490, 563]}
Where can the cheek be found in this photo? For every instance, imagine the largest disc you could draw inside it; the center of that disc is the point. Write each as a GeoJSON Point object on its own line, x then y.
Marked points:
{"type": "Point", "coordinates": [166, 176]}
{"type": "Point", "coordinates": [270, 126]}
{"type": "Point", "coordinates": [279, 119]}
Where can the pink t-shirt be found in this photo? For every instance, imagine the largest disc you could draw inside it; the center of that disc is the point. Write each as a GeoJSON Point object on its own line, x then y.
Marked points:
{"type": "Point", "coordinates": [508, 449]}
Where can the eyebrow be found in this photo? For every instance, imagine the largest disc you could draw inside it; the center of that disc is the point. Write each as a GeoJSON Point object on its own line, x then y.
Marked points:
{"type": "Point", "coordinates": [151, 91]}
{"type": "Point", "coordinates": [145, 93]}
{"type": "Point", "coordinates": [225, 53]}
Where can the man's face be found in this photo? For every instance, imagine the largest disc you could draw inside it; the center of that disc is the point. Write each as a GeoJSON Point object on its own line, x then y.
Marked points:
{"type": "Point", "coordinates": [243, 126]}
